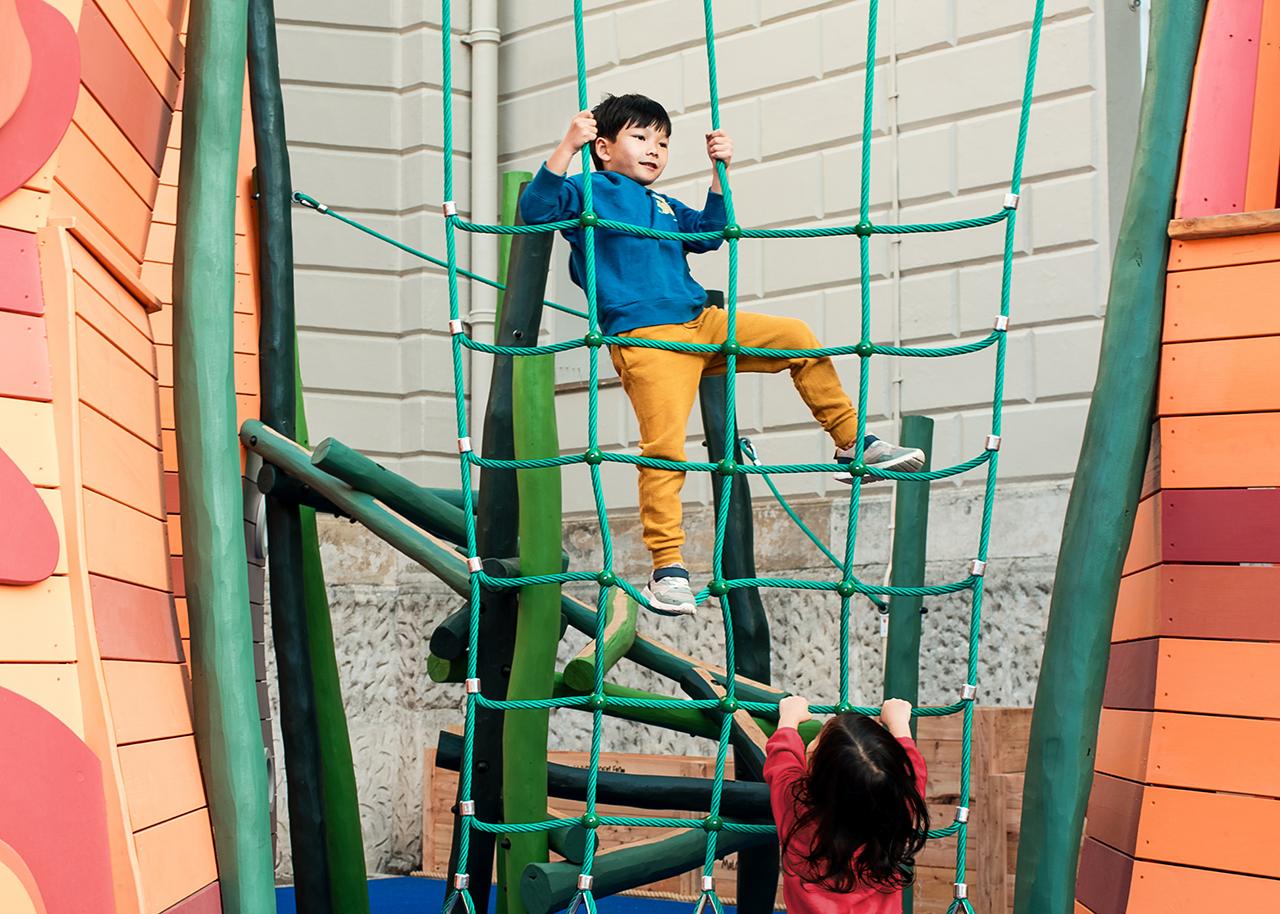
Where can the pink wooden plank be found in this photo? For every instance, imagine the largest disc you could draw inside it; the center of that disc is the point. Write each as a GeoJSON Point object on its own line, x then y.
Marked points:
{"type": "Point", "coordinates": [1215, 155]}
{"type": "Point", "coordinates": [20, 267]}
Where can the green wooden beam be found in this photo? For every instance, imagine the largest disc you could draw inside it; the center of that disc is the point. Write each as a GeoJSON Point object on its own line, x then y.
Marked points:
{"type": "Point", "coordinates": [1108, 482]}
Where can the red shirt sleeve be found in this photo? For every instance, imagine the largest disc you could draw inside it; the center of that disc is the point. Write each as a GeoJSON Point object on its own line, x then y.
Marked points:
{"type": "Point", "coordinates": [917, 762]}
{"type": "Point", "coordinates": [784, 764]}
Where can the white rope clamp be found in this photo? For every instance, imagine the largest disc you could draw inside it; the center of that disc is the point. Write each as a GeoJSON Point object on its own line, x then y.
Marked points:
{"type": "Point", "coordinates": [461, 881]}
{"type": "Point", "coordinates": [449, 208]}
{"type": "Point", "coordinates": [962, 890]}
{"type": "Point", "coordinates": [1002, 323]}
{"type": "Point", "coordinates": [962, 814]}
{"type": "Point", "coordinates": [467, 808]}
{"type": "Point", "coordinates": [993, 442]}
{"type": "Point", "coordinates": [464, 445]}
{"type": "Point", "coordinates": [455, 326]}
{"type": "Point", "coordinates": [475, 563]}
{"type": "Point", "coordinates": [585, 882]}
{"type": "Point", "coordinates": [1011, 201]}
{"type": "Point", "coordinates": [473, 686]}
{"type": "Point", "coordinates": [977, 568]}
{"type": "Point", "coordinates": [969, 692]}
{"type": "Point", "coordinates": [708, 883]}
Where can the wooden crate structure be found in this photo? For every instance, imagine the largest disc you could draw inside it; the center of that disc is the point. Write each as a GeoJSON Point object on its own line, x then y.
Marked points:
{"type": "Point", "coordinates": [999, 758]}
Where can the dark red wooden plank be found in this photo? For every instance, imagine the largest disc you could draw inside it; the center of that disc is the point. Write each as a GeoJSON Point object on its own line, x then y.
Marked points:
{"type": "Point", "coordinates": [119, 84]}
{"type": "Point", "coordinates": [1115, 806]}
{"type": "Point", "coordinates": [1220, 525]}
{"type": "Point", "coordinates": [1104, 878]}
{"type": "Point", "coordinates": [172, 500]}
{"type": "Point", "coordinates": [1131, 675]}
{"type": "Point", "coordinates": [133, 622]}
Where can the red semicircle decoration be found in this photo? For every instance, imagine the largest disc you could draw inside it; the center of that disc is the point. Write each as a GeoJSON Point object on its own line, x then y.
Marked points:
{"type": "Point", "coordinates": [33, 132]}
{"type": "Point", "coordinates": [28, 537]}
{"type": "Point", "coordinates": [15, 60]}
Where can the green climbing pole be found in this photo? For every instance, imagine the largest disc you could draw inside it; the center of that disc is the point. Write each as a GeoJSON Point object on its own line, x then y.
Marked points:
{"type": "Point", "coordinates": [1104, 499]}
{"type": "Point", "coordinates": [225, 695]}
{"type": "Point", "coordinates": [724, 704]}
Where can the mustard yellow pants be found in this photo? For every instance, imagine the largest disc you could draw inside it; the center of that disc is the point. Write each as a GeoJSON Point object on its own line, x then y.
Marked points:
{"type": "Point", "coordinates": [662, 387]}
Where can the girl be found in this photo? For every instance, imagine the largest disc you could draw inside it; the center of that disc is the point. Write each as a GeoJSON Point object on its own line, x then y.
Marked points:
{"type": "Point", "coordinates": [852, 819]}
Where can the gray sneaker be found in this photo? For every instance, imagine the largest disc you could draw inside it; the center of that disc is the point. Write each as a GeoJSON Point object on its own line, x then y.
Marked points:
{"type": "Point", "coordinates": [668, 592]}
{"type": "Point", "coordinates": [882, 456]}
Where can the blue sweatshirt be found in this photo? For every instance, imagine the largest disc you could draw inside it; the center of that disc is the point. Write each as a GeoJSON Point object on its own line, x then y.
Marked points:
{"type": "Point", "coordinates": [640, 282]}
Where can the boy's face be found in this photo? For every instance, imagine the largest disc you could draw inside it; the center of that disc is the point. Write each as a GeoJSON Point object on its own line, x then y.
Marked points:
{"type": "Point", "coordinates": [640, 153]}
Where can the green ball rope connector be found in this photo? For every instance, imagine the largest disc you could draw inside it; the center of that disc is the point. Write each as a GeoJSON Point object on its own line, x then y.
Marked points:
{"type": "Point", "coordinates": [731, 347]}
{"type": "Point", "coordinates": [864, 348]}
{"type": "Point", "coordinates": [594, 338]}
{"type": "Point", "coordinates": [589, 219]}
{"type": "Point", "coordinates": [733, 231]}
{"type": "Point", "coordinates": [846, 588]}
{"type": "Point", "coordinates": [597, 703]}
{"type": "Point", "coordinates": [590, 821]}
{"type": "Point", "coordinates": [863, 228]}
{"type": "Point", "coordinates": [728, 705]}
{"type": "Point", "coordinates": [718, 588]}
{"type": "Point", "coordinates": [713, 823]}
{"type": "Point", "coordinates": [593, 456]}
{"type": "Point", "coordinates": [726, 467]}
{"type": "Point", "coordinates": [606, 579]}
{"type": "Point", "coordinates": [844, 707]}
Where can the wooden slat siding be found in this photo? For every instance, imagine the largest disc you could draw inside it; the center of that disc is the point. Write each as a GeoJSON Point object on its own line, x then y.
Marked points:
{"type": "Point", "coordinates": [122, 88]}
{"type": "Point", "coordinates": [132, 622]}
{"type": "Point", "coordinates": [20, 266]}
{"type": "Point", "coordinates": [36, 624]}
{"type": "Point", "coordinates": [1115, 808]}
{"type": "Point", "coordinates": [123, 543]}
{"type": "Point", "coordinates": [175, 859]}
{"type": "Point", "coordinates": [206, 901]}
{"type": "Point", "coordinates": [52, 499]}
{"type": "Point", "coordinates": [1105, 877]}
{"type": "Point", "coordinates": [1131, 675]}
{"type": "Point", "coordinates": [1220, 252]}
{"type": "Point", "coordinates": [1192, 311]}
{"type": "Point", "coordinates": [161, 780]}
{"type": "Point", "coordinates": [25, 210]}
{"type": "Point", "coordinates": [1124, 739]}
{"type": "Point", "coordinates": [164, 34]}
{"type": "Point", "coordinates": [115, 386]}
{"type": "Point", "coordinates": [172, 495]}
{"type": "Point", "coordinates": [120, 466]}
{"type": "Point", "coordinates": [86, 174]}
{"type": "Point", "coordinates": [176, 577]}
{"type": "Point", "coordinates": [1215, 152]}
{"type": "Point", "coordinates": [86, 228]}
{"type": "Point", "coordinates": [1199, 601]}
{"type": "Point", "coordinates": [1218, 677]}
{"type": "Point", "coordinates": [148, 701]}
{"type": "Point", "coordinates": [1224, 376]}
{"type": "Point", "coordinates": [1186, 751]}
{"type": "Point", "coordinates": [1161, 887]}
{"type": "Point", "coordinates": [99, 314]}
{"type": "Point", "coordinates": [24, 358]}
{"type": "Point", "coordinates": [1264, 145]}
{"type": "Point", "coordinates": [29, 439]}
{"type": "Point", "coordinates": [109, 286]}
{"type": "Point", "coordinates": [1220, 525]}
{"type": "Point", "coordinates": [162, 73]}
{"type": "Point", "coordinates": [1212, 830]}
{"type": "Point", "coordinates": [53, 686]}
{"type": "Point", "coordinates": [1252, 440]}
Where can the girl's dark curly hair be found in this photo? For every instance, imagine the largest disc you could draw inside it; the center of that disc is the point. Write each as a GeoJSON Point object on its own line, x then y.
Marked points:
{"type": "Point", "coordinates": [860, 799]}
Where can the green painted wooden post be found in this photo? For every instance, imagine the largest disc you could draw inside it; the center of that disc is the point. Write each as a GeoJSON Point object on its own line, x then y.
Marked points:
{"type": "Point", "coordinates": [310, 842]}
{"type": "Point", "coordinates": [533, 665]}
{"type": "Point", "coordinates": [1099, 522]}
{"type": "Point", "coordinates": [911, 529]}
{"type": "Point", "coordinates": [225, 695]}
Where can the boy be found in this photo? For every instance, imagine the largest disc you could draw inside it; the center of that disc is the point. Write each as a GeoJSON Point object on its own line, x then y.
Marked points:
{"type": "Point", "coordinates": [644, 291]}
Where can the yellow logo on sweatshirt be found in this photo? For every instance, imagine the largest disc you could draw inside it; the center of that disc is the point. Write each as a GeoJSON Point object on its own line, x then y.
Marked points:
{"type": "Point", "coordinates": [663, 205]}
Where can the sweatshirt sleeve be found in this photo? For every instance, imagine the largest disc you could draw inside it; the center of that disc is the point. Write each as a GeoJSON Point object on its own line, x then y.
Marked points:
{"type": "Point", "coordinates": [711, 218]}
{"type": "Point", "coordinates": [549, 198]}
{"type": "Point", "coordinates": [917, 762]}
{"type": "Point", "coordinates": [784, 764]}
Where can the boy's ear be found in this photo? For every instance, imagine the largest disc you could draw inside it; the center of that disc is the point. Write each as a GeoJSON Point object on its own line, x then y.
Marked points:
{"type": "Point", "coordinates": [601, 148]}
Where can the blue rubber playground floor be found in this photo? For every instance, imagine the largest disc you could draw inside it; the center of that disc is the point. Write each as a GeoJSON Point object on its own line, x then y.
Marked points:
{"type": "Point", "coordinates": [415, 895]}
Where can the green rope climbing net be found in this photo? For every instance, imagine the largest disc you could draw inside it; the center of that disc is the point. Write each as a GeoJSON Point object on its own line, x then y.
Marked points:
{"type": "Point", "coordinates": [847, 586]}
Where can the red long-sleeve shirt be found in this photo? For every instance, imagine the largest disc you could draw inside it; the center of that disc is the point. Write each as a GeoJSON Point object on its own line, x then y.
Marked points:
{"type": "Point", "coordinates": [785, 764]}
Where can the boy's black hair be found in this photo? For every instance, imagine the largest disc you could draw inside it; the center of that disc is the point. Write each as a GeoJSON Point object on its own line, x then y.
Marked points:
{"type": "Point", "coordinates": [860, 798]}
{"type": "Point", "coordinates": [617, 112]}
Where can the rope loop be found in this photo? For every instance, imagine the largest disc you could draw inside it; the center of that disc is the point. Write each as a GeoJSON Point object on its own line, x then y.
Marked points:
{"type": "Point", "coordinates": [709, 899]}
{"type": "Point", "coordinates": [452, 899]}
{"type": "Point", "coordinates": [585, 900]}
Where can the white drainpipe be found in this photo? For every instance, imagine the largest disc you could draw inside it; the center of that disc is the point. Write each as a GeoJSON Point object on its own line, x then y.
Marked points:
{"type": "Point", "coordinates": [483, 40]}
